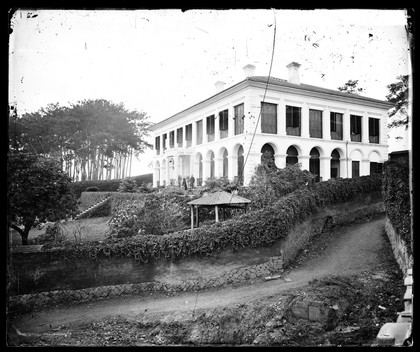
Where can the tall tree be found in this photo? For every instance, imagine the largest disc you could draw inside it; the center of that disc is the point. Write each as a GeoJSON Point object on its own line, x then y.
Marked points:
{"type": "Point", "coordinates": [90, 138]}
{"type": "Point", "coordinates": [38, 190]}
{"type": "Point", "coordinates": [351, 86]}
{"type": "Point", "coordinates": [398, 95]}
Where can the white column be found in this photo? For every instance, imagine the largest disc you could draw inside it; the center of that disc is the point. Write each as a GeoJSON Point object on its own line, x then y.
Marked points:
{"type": "Point", "coordinates": [325, 167]}
{"type": "Point", "coordinates": [176, 169]}
{"type": "Point", "coordinates": [346, 126]}
{"type": "Point", "coordinates": [232, 166]}
{"type": "Point", "coordinates": [364, 167]}
{"type": "Point", "coordinates": [326, 126]}
{"type": "Point", "coordinates": [281, 118]}
{"type": "Point", "coordinates": [218, 167]}
{"type": "Point", "coordinates": [365, 128]}
{"type": "Point", "coordinates": [167, 172]}
{"type": "Point", "coordinates": [280, 160]}
{"type": "Point", "coordinates": [231, 122]}
{"type": "Point", "coordinates": [204, 130]}
{"type": "Point", "coordinates": [194, 133]}
{"type": "Point", "coordinates": [254, 158]}
{"type": "Point", "coordinates": [206, 169]}
{"type": "Point", "coordinates": [156, 175]}
{"type": "Point", "coordinates": [305, 121]}
{"type": "Point", "coordinates": [304, 160]}
{"type": "Point", "coordinates": [184, 136]}
{"type": "Point", "coordinates": [216, 126]}
{"type": "Point", "coordinates": [383, 129]}
{"type": "Point", "coordinates": [343, 170]}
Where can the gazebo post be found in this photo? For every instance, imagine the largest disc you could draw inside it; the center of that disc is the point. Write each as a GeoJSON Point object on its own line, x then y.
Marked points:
{"type": "Point", "coordinates": [216, 210]}
{"type": "Point", "coordinates": [196, 216]}
{"type": "Point", "coordinates": [192, 217]}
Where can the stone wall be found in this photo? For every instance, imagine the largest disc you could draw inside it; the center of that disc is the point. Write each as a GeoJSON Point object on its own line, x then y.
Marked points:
{"type": "Point", "coordinates": [37, 272]}
{"type": "Point", "coordinates": [28, 301]}
{"type": "Point", "coordinates": [399, 247]}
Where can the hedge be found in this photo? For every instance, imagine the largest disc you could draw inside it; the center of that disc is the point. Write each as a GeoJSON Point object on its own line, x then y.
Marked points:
{"type": "Point", "coordinates": [254, 229]}
{"type": "Point", "coordinates": [107, 185]}
{"type": "Point", "coordinates": [91, 198]}
{"type": "Point", "coordinates": [396, 194]}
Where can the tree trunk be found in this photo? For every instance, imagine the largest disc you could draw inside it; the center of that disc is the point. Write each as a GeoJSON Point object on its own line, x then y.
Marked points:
{"type": "Point", "coordinates": [23, 233]}
{"type": "Point", "coordinates": [83, 167]}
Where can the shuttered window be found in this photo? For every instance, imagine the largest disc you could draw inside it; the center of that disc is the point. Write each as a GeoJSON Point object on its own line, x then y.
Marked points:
{"type": "Point", "coordinates": [179, 133]}
{"type": "Point", "coordinates": [200, 132]}
{"type": "Point", "coordinates": [356, 128]}
{"type": "Point", "coordinates": [171, 139]}
{"type": "Point", "coordinates": [268, 118]}
{"type": "Point", "coordinates": [239, 119]}
{"type": "Point", "coordinates": [223, 123]}
{"type": "Point", "coordinates": [293, 114]}
{"type": "Point", "coordinates": [315, 123]}
{"type": "Point", "coordinates": [373, 130]}
{"type": "Point", "coordinates": [210, 128]}
{"type": "Point", "coordinates": [336, 125]}
{"type": "Point", "coordinates": [157, 145]}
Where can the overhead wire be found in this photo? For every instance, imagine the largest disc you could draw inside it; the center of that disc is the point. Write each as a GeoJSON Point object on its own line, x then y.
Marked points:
{"type": "Point", "coordinates": [263, 100]}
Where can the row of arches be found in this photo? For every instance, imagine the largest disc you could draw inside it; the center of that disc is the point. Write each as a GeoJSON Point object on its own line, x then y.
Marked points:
{"type": "Point", "coordinates": [323, 164]}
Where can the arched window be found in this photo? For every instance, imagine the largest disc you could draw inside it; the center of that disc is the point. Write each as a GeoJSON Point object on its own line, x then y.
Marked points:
{"type": "Point", "coordinates": [292, 156]}
{"type": "Point", "coordinates": [335, 164]}
{"type": "Point", "coordinates": [314, 165]}
{"type": "Point", "coordinates": [240, 164]}
{"type": "Point", "coordinates": [267, 154]}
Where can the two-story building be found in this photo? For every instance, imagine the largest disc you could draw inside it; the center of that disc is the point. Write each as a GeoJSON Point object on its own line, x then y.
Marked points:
{"type": "Point", "coordinates": [330, 133]}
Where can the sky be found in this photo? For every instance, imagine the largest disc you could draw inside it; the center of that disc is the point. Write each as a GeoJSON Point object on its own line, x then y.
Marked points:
{"type": "Point", "coordinates": [163, 61]}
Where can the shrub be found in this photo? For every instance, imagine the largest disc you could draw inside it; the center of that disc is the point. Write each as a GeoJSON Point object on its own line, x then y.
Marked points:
{"type": "Point", "coordinates": [159, 213]}
{"type": "Point", "coordinates": [92, 189]}
{"type": "Point", "coordinates": [128, 185]}
{"type": "Point", "coordinates": [269, 183]}
{"type": "Point", "coordinates": [108, 185]}
{"type": "Point", "coordinates": [261, 227]}
{"type": "Point", "coordinates": [213, 184]}
{"type": "Point", "coordinates": [53, 237]}
{"type": "Point", "coordinates": [396, 194]}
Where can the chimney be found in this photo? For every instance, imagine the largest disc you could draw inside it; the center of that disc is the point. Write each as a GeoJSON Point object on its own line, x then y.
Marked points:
{"type": "Point", "coordinates": [294, 72]}
{"type": "Point", "coordinates": [219, 86]}
{"type": "Point", "coordinates": [249, 70]}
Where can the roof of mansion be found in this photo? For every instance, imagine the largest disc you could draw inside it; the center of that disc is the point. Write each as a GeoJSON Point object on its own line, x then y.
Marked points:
{"type": "Point", "coordinates": [284, 86]}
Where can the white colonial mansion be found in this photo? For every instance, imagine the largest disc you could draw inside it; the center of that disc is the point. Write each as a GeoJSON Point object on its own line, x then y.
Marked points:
{"type": "Point", "coordinates": [330, 133]}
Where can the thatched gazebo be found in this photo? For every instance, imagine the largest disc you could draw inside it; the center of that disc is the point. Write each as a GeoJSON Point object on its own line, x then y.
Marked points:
{"type": "Point", "coordinates": [217, 200]}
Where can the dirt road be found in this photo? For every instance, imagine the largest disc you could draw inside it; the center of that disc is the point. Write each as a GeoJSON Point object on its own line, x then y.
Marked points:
{"type": "Point", "coordinates": [346, 251]}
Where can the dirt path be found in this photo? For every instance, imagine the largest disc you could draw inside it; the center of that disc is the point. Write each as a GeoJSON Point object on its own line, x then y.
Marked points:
{"type": "Point", "coordinates": [350, 250]}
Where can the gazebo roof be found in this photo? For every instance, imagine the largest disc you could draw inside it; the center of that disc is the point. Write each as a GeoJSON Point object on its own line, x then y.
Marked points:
{"type": "Point", "coordinates": [220, 198]}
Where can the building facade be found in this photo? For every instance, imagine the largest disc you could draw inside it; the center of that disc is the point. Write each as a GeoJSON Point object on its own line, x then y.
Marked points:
{"type": "Point", "coordinates": [330, 133]}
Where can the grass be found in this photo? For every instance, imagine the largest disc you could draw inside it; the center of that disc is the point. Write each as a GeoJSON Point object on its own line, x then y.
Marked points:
{"type": "Point", "coordinates": [92, 229]}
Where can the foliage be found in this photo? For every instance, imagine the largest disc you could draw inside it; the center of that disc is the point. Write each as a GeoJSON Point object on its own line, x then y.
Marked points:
{"type": "Point", "coordinates": [396, 194]}
{"type": "Point", "coordinates": [128, 185]}
{"type": "Point", "coordinates": [351, 86]}
{"type": "Point", "coordinates": [214, 184]}
{"type": "Point", "coordinates": [398, 95]}
{"type": "Point", "coordinates": [109, 185]}
{"type": "Point", "coordinates": [92, 189]}
{"type": "Point", "coordinates": [92, 138]}
{"type": "Point", "coordinates": [269, 183]}
{"type": "Point", "coordinates": [53, 236]}
{"type": "Point", "coordinates": [38, 190]}
{"type": "Point", "coordinates": [160, 213]}
{"type": "Point", "coordinates": [257, 228]}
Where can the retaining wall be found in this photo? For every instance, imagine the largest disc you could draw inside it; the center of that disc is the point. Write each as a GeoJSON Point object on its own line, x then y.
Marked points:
{"type": "Point", "coordinates": [399, 247]}
{"type": "Point", "coordinates": [42, 273]}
